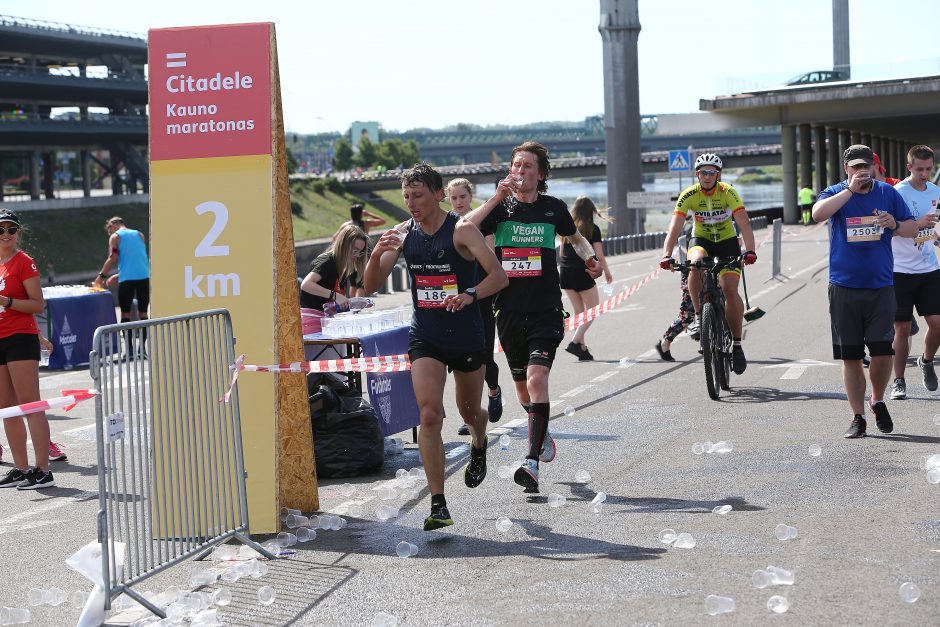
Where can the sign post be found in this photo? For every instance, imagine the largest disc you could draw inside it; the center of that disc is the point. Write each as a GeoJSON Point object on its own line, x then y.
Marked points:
{"type": "Point", "coordinates": [221, 235]}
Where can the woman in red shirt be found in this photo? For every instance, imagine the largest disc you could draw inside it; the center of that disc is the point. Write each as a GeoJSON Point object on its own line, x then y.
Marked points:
{"type": "Point", "coordinates": [20, 300]}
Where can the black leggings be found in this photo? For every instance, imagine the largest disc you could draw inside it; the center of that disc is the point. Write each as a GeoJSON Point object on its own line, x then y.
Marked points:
{"type": "Point", "coordinates": [489, 330]}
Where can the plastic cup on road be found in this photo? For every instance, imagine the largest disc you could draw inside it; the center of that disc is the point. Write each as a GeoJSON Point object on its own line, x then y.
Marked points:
{"type": "Point", "coordinates": [715, 605]}
{"type": "Point", "coordinates": [582, 476]}
{"type": "Point", "coordinates": [403, 549]}
{"type": "Point", "coordinates": [599, 498]}
{"type": "Point", "coordinates": [684, 541]}
{"type": "Point", "coordinates": [785, 532]}
{"type": "Point", "coordinates": [347, 489]}
{"type": "Point", "coordinates": [931, 462]}
{"type": "Point", "coordinates": [203, 577]}
{"type": "Point", "coordinates": [503, 524]}
{"type": "Point", "coordinates": [286, 511]}
{"type": "Point", "coordinates": [384, 619]}
{"type": "Point", "coordinates": [285, 539]}
{"type": "Point", "coordinates": [504, 472]}
{"type": "Point", "coordinates": [698, 448]}
{"type": "Point", "coordinates": [305, 534]}
{"type": "Point", "coordinates": [14, 616]}
{"type": "Point", "coordinates": [761, 579]}
{"type": "Point", "coordinates": [36, 596]}
{"type": "Point", "coordinates": [221, 597]}
{"type": "Point", "coordinates": [778, 604]}
{"type": "Point", "coordinates": [556, 500]}
{"type": "Point", "coordinates": [206, 618]}
{"type": "Point", "coordinates": [780, 576]}
{"type": "Point", "coordinates": [721, 510]}
{"type": "Point", "coordinates": [266, 595]}
{"type": "Point", "coordinates": [933, 475]}
{"type": "Point", "coordinates": [78, 599]}
{"type": "Point", "coordinates": [815, 450]}
{"type": "Point", "coordinates": [667, 536]}
{"type": "Point", "coordinates": [936, 419]}
{"type": "Point", "coordinates": [909, 592]}
{"type": "Point", "coordinates": [295, 520]}
{"type": "Point", "coordinates": [720, 447]}
{"type": "Point", "coordinates": [225, 552]}
{"type": "Point", "coordinates": [569, 411]}
{"type": "Point", "coordinates": [355, 510]}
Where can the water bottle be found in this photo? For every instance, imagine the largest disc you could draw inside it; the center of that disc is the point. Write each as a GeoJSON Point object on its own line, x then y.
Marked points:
{"type": "Point", "coordinates": [358, 303]}
{"type": "Point", "coordinates": [504, 442]}
{"type": "Point", "coordinates": [43, 358]}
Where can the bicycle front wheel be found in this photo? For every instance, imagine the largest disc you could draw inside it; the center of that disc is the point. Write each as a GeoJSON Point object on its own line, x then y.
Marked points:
{"type": "Point", "coordinates": [711, 346]}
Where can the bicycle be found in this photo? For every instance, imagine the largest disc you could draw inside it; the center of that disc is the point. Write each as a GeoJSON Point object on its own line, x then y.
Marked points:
{"type": "Point", "coordinates": [714, 335]}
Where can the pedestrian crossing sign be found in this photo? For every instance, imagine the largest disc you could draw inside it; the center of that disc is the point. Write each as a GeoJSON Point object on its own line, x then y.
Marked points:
{"type": "Point", "coordinates": [679, 161]}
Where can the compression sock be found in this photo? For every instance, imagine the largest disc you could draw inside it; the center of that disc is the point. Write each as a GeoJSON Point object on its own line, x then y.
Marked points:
{"type": "Point", "coordinates": [538, 426]}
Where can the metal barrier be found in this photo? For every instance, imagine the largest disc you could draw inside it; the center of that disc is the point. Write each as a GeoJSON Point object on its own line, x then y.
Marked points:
{"type": "Point", "coordinates": [171, 471]}
{"type": "Point", "coordinates": [778, 236]}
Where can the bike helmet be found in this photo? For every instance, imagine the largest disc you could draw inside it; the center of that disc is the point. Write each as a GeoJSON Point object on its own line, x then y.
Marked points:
{"type": "Point", "coordinates": [708, 158]}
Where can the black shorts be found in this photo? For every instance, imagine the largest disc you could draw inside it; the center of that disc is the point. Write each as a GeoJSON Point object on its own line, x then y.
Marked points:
{"type": "Point", "coordinates": [129, 290]}
{"type": "Point", "coordinates": [730, 247]}
{"type": "Point", "coordinates": [575, 278]}
{"type": "Point", "coordinates": [529, 338]}
{"type": "Point", "coordinates": [461, 362]}
{"type": "Point", "coordinates": [922, 290]}
{"type": "Point", "coordinates": [19, 347]}
{"type": "Point", "coordinates": [861, 317]}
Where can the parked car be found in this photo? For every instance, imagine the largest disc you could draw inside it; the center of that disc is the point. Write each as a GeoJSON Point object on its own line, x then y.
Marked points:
{"type": "Point", "coordinates": [819, 76]}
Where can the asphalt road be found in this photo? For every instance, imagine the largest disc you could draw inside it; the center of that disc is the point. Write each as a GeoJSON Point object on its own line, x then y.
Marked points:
{"type": "Point", "coordinates": [866, 516]}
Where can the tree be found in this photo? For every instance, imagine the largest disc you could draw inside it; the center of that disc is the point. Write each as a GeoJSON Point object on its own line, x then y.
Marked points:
{"type": "Point", "coordinates": [368, 153]}
{"type": "Point", "coordinates": [342, 154]}
{"type": "Point", "coordinates": [292, 163]}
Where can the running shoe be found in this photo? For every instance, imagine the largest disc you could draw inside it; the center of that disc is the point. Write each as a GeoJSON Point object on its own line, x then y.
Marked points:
{"type": "Point", "coordinates": [930, 376]}
{"type": "Point", "coordinates": [882, 417]}
{"type": "Point", "coordinates": [580, 351]}
{"type": "Point", "coordinates": [55, 452]}
{"type": "Point", "coordinates": [738, 360]}
{"type": "Point", "coordinates": [463, 429]}
{"type": "Point", "coordinates": [36, 480]}
{"type": "Point", "coordinates": [898, 390]}
{"type": "Point", "coordinates": [13, 478]}
{"type": "Point", "coordinates": [857, 428]}
{"type": "Point", "coordinates": [693, 328]}
{"type": "Point", "coordinates": [475, 470]}
{"type": "Point", "coordinates": [664, 355]}
{"type": "Point", "coordinates": [527, 475]}
{"type": "Point", "coordinates": [439, 518]}
{"type": "Point", "coordinates": [495, 405]}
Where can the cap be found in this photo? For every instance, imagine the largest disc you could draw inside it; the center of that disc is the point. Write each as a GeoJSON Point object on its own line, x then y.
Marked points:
{"type": "Point", "coordinates": [8, 216]}
{"type": "Point", "coordinates": [876, 161]}
{"type": "Point", "coordinates": [858, 154]}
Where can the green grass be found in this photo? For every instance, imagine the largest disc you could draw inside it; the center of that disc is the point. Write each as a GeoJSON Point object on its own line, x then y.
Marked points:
{"type": "Point", "coordinates": [74, 240]}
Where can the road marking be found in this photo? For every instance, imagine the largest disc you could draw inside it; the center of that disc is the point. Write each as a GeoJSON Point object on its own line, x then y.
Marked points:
{"type": "Point", "coordinates": [13, 523]}
{"type": "Point", "coordinates": [605, 376]}
{"type": "Point", "coordinates": [574, 392]}
{"type": "Point", "coordinates": [518, 422]}
{"type": "Point", "coordinates": [771, 288]}
{"type": "Point", "coordinates": [795, 369]}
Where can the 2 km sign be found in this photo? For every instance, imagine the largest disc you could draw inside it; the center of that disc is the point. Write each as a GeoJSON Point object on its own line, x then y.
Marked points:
{"type": "Point", "coordinates": [221, 221]}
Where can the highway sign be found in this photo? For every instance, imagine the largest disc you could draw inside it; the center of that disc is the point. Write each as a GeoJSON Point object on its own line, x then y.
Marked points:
{"type": "Point", "coordinates": [679, 161]}
{"type": "Point", "coordinates": [651, 200]}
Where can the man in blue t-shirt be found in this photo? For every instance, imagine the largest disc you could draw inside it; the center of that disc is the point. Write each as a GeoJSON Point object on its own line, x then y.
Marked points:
{"type": "Point", "coordinates": [864, 214]}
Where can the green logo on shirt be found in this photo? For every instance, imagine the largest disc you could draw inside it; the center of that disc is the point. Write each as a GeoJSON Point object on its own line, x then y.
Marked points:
{"type": "Point", "coordinates": [517, 234]}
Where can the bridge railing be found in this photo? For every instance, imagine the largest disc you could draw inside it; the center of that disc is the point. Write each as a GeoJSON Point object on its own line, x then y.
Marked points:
{"type": "Point", "coordinates": [640, 242]}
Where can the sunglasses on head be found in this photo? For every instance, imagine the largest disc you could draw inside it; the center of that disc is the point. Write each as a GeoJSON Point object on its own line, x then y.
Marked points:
{"type": "Point", "coordinates": [12, 230]}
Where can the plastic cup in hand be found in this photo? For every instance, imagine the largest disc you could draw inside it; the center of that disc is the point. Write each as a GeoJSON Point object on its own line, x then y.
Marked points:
{"type": "Point", "coordinates": [909, 592]}
{"type": "Point", "coordinates": [698, 448]}
{"type": "Point", "coordinates": [778, 604]}
{"type": "Point", "coordinates": [582, 476]}
{"type": "Point", "coordinates": [14, 616]}
{"type": "Point", "coordinates": [715, 605]}
{"type": "Point", "coordinates": [569, 411]}
{"type": "Point", "coordinates": [305, 534]}
{"type": "Point", "coordinates": [503, 524]}
{"type": "Point", "coordinates": [684, 541]}
{"type": "Point", "coordinates": [815, 450]}
{"type": "Point", "coordinates": [785, 532]}
{"type": "Point", "coordinates": [221, 597]}
{"type": "Point", "coordinates": [43, 358]}
{"type": "Point", "coordinates": [721, 510]}
{"type": "Point", "coordinates": [667, 536]}
{"type": "Point", "coordinates": [504, 442]}
{"type": "Point", "coordinates": [761, 579]}
{"type": "Point", "coordinates": [556, 500]}
{"type": "Point", "coordinates": [608, 289]}
{"type": "Point", "coordinates": [266, 595]}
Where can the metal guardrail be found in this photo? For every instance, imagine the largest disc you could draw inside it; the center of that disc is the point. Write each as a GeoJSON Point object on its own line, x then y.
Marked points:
{"type": "Point", "coordinates": [171, 471]}
{"type": "Point", "coordinates": [9, 20]}
{"type": "Point", "coordinates": [652, 241]}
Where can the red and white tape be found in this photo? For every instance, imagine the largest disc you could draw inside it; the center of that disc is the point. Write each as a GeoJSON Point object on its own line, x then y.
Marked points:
{"type": "Point", "coordinates": [68, 400]}
{"type": "Point", "coordinates": [590, 314]}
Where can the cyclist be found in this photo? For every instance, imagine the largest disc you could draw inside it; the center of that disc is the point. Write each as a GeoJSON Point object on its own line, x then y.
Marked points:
{"type": "Point", "coordinates": [716, 208]}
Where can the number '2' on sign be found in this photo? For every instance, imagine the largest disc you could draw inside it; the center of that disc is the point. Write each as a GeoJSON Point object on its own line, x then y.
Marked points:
{"type": "Point", "coordinates": [215, 284]}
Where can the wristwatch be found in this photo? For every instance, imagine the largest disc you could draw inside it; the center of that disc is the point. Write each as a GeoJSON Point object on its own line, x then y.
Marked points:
{"type": "Point", "coordinates": [471, 291]}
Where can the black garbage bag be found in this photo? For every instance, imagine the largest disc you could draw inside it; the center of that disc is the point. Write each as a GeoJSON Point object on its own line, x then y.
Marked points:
{"type": "Point", "coordinates": [347, 438]}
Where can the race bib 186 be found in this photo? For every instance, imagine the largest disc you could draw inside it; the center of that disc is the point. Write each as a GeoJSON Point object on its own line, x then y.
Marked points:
{"type": "Point", "coordinates": [519, 262]}
{"type": "Point", "coordinates": [432, 290]}
{"type": "Point", "coordinates": [862, 229]}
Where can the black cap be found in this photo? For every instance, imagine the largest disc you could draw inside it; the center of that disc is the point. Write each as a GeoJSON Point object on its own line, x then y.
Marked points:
{"type": "Point", "coordinates": [8, 216]}
{"type": "Point", "coordinates": [858, 154]}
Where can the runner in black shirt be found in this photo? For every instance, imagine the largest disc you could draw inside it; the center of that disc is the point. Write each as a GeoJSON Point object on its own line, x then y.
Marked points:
{"type": "Point", "coordinates": [529, 315]}
{"type": "Point", "coordinates": [336, 274]}
{"type": "Point", "coordinates": [442, 251]}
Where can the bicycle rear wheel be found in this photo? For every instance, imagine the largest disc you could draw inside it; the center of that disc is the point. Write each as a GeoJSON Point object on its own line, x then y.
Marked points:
{"type": "Point", "coordinates": [711, 345]}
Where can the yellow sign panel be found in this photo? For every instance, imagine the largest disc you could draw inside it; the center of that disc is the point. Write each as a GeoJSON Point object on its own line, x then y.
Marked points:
{"type": "Point", "coordinates": [219, 213]}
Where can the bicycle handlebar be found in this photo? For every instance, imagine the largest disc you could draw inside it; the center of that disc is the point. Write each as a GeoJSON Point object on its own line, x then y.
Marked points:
{"type": "Point", "coordinates": [713, 264]}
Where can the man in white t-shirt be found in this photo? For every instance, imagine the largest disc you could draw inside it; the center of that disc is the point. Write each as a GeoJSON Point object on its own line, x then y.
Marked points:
{"type": "Point", "coordinates": [916, 271]}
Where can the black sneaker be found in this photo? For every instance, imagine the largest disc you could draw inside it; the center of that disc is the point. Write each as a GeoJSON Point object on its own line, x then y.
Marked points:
{"type": "Point", "coordinates": [13, 478]}
{"type": "Point", "coordinates": [495, 405]}
{"type": "Point", "coordinates": [36, 480]}
{"type": "Point", "coordinates": [463, 429]}
{"type": "Point", "coordinates": [738, 360]}
{"type": "Point", "coordinates": [866, 361]}
{"type": "Point", "coordinates": [439, 518]}
{"type": "Point", "coordinates": [857, 428]}
{"type": "Point", "coordinates": [475, 470]}
{"type": "Point", "coordinates": [664, 355]}
{"type": "Point", "coordinates": [882, 417]}
{"type": "Point", "coordinates": [527, 475]}
{"type": "Point", "coordinates": [579, 351]}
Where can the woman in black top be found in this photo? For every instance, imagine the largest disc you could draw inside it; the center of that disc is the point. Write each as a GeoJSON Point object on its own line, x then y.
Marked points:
{"type": "Point", "coordinates": [579, 287]}
{"type": "Point", "coordinates": [336, 274]}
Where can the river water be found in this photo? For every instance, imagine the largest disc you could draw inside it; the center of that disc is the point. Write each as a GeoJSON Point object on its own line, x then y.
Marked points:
{"type": "Point", "coordinates": [755, 196]}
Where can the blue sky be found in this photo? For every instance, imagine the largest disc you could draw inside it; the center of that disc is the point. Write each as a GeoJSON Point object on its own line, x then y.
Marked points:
{"type": "Point", "coordinates": [429, 63]}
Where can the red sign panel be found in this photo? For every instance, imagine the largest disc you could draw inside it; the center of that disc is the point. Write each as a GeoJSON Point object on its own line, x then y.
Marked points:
{"type": "Point", "coordinates": [210, 91]}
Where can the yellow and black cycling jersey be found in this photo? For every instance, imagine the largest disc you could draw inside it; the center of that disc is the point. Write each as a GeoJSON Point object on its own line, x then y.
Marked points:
{"type": "Point", "coordinates": [712, 211]}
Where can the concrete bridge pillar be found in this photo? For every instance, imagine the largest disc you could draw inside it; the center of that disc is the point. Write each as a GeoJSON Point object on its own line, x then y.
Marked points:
{"type": "Point", "coordinates": [835, 155]}
{"type": "Point", "coordinates": [876, 144]}
{"type": "Point", "coordinates": [892, 166]}
{"type": "Point", "coordinates": [48, 173]}
{"type": "Point", "coordinates": [86, 173]}
{"type": "Point", "coordinates": [820, 149]}
{"type": "Point", "coordinates": [788, 147]}
{"type": "Point", "coordinates": [866, 139]}
{"type": "Point", "coordinates": [806, 156]}
{"type": "Point", "coordinates": [855, 137]}
{"type": "Point", "coordinates": [845, 140]}
{"type": "Point", "coordinates": [901, 169]}
{"type": "Point", "coordinates": [35, 157]}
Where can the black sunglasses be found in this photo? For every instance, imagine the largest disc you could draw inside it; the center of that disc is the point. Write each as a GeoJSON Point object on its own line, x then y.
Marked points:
{"type": "Point", "coordinates": [12, 230]}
